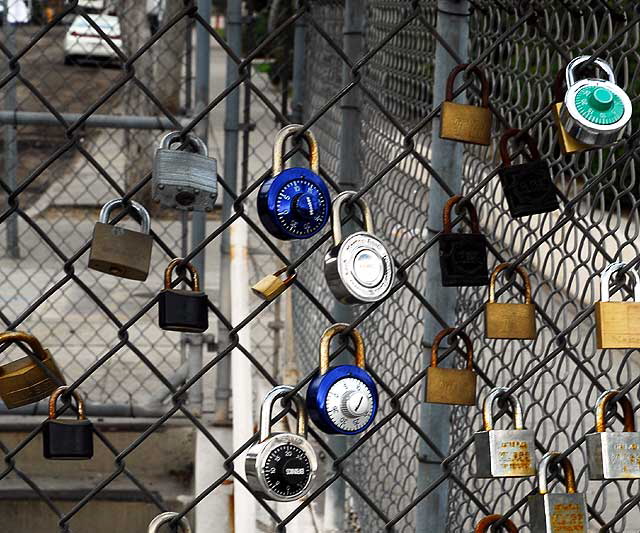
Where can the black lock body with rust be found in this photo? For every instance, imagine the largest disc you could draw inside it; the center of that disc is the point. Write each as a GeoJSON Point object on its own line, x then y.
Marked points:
{"type": "Point", "coordinates": [67, 439]}
{"type": "Point", "coordinates": [183, 310]}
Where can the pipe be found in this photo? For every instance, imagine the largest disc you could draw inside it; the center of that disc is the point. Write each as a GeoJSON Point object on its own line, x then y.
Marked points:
{"type": "Point", "coordinates": [126, 122]}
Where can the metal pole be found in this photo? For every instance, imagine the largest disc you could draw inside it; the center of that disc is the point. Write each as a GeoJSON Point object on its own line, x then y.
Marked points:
{"type": "Point", "coordinates": [125, 122]}
{"type": "Point", "coordinates": [446, 159]}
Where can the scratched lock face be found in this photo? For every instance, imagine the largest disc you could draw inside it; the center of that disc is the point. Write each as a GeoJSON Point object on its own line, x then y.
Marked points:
{"type": "Point", "coordinates": [512, 453]}
{"type": "Point", "coordinates": [614, 455]}
{"type": "Point", "coordinates": [566, 513]}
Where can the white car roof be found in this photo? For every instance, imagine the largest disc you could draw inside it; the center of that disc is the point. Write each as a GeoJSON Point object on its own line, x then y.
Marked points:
{"type": "Point", "coordinates": [108, 21]}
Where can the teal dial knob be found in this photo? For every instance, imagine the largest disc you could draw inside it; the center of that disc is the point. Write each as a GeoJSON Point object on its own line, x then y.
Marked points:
{"type": "Point", "coordinates": [599, 105]}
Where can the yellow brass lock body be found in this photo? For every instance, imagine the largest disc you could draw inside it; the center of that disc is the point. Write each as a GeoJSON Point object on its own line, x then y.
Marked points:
{"type": "Point", "coordinates": [272, 286]}
{"type": "Point", "coordinates": [568, 144]}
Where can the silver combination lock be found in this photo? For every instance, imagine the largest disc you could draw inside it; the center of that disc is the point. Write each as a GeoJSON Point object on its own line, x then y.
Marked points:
{"type": "Point", "coordinates": [595, 111]}
{"type": "Point", "coordinates": [184, 180]}
{"type": "Point", "coordinates": [358, 269]}
{"type": "Point", "coordinates": [281, 466]}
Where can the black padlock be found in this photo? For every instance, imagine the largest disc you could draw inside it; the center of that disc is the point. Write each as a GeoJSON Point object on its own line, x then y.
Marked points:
{"type": "Point", "coordinates": [67, 439]}
{"type": "Point", "coordinates": [527, 187]}
{"type": "Point", "coordinates": [183, 310]}
{"type": "Point", "coordinates": [463, 256]}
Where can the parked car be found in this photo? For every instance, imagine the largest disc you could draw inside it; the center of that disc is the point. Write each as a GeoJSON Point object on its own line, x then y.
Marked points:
{"type": "Point", "coordinates": [83, 41]}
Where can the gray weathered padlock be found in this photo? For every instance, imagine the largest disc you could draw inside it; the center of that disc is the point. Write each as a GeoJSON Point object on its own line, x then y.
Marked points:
{"type": "Point", "coordinates": [165, 518]}
{"type": "Point", "coordinates": [119, 251]}
{"type": "Point", "coordinates": [184, 180]}
{"type": "Point", "coordinates": [504, 452]}
{"type": "Point", "coordinates": [557, 512]}
{"type": "Point", "coordinates": [614, 455]}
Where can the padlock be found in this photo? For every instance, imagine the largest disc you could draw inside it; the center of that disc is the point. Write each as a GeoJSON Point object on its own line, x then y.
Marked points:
{"type": "Point", "coordinates": [507, 320]}
{"type": "Point", "coordinates": [527, 187]}
{"type": "Point", "coordinates": [67, 439]}
{"type": "Point", "coordinates": [464, 122]}
{"type": "Point", "coordinates": [557, 512]}
{"type": "Point", "coordinates": [595, 110]}
{"type": "Point", "coordinates": [165, 518]}
{"type": "Point", "coordinates": [281, 466]}
{"type": "Point", "coordinates": [358, 269]}
{"type": "Point", "coordinates": [568, 144]}
{"type": "Point", "coordinates": [617, 323]}
{"type": "Point", "coordinates": [119, 251]}
{"type": "Point", "coordinates": [451, 385]}
{"type": "Point", "coordinates": [294, 203]}
{"type": "Point", "coordinates": [180, 310]}
{"type": "Point", "coordinates": [23, 381]}
{"type": "Point", "coordinates": [484, 524]}
{"type": "Point", "coordinates": [614, 455]}
{"type": "Point", "coordinates": [272, 286]}
{"type": "Point", "coordinates": [342, 399]}
{"type": "Point", "coordinates": [504, 452]}
{"type": "Point", "coordinates": [184, 180]}
{"type": "Point", "coordinates": [463, 256]}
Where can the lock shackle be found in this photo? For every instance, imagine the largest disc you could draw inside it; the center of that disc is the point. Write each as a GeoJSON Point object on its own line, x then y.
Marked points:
{"type": "Point", "coordinates": [446, 214]}
{"type": "Point", "coordinates": [567, 468]}
{"type": "Point", "coordinates": [291, 277]}
{"type": "Point", "coordinates": [460, 334]}
{"type": "Point", "coordinates": [521, 272]}
{"type": "Point", "coordinates": [193, 140]}
{"type": "Point", "coordinates": [527, 139]}
{"type": "Point", "coordinates": [336, 228]}
{"type": "Point", "coordinates": [487, 521]}
{"type": "Point", "coordinates": [54, 398]}
{"type": "Point", "coordinates": [478, 72]}
{"type": "Point", "coordinates": [165, 518]}
{"type": "Point", "coordinates": [605, 278]}
{"type": "Point", "coordinates": [105, 213]}
{"type": "Point", "coordinates": [325, 342]}
{"type": "Point", "coordinates": [601, 410]}
{"type": "Point", "coordinates": [267, 408]}
{"type": "Point", "coordinates": [278, 148]}
{"type": "Point", "coordinates": [11, 337]}
{"type": "Point", "coordinates": [195, 278]}
{"type": "Point", "coordinates": [487, 408]}
{"type": "Point", "coordinates": [576, 61]}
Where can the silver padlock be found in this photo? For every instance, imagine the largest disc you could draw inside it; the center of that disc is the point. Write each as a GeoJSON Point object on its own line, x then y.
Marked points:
{"type": "Point", "coordinates": [614, 455]}
{"type": "Point", "coordinates": [184, 180]}
{"type": "Point", "coordinates": [358, 269]}
{"type": "Point", "coordinates": [557, 512]}
{"type": "Point", "coordinates": [504, 452]}
{"type": "Point", "coordinates": [165, 518]}
{"type": "Point", "coordinates": [281, 466]}
{"type": "Point", "coordinates": [594, 110]}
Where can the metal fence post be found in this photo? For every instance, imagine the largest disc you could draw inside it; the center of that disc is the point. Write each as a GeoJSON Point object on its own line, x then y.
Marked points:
{"type": "Point", "coordinates": [446, 159]}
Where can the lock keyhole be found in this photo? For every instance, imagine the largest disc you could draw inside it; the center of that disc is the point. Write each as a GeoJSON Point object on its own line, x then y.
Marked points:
{"type": "Point", "coordinates": [185, 198]}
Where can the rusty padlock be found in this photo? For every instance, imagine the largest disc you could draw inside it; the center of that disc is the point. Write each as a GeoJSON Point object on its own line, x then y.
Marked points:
{"type": "Point", "coordinates": [484, 524]}
{"type": "Point", "coordinates": [272, 286]}
{"type": "Point", "coordinates": [568, 144]}
{"type": "Point", "coordinates": [452, 386]}
{"type": "Point", "coordinates": [463, 122]}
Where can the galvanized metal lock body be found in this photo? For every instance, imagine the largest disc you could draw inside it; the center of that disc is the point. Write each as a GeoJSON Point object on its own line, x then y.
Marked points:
{"type": "Point", "coordinates": [463, 256]}
{"type": "Point", "coordinates": [184, 180]}
{"type": "Point", "coordinates": [595, 110]}
{"type": "Point", "coordinates": [358, 269]}
{"type": "Point", "coordinates": [342, 399]}
{"type": "Point", "coordinates": [272, 286]}
{"type": "Point", "coordinates": [507, 320]}
{"type": "Point", "coordinates": [451, 385]}
{"type": "Point", "coordinates": [67, 439]}
{"type": "Point", "coordinates": [119, 251]}
{"type": "Point", "coordinates": [165, 518]}
{"type": "Point", "coordinates": [484, 524]}
{"type": "Point", "coordinates": [617, 323]}
{"type": "Point", "coordinates": [180, 310]}
{"type": "Point", "coordinates": [504, 452]}
{"type": "Point", "coordinates": [527, 187]}
{"type": "Point", "coordinates": [614, 455]}
{"type": "Point", "coordinates": [557, 512]}
{"type": "Point", "coordinates": [568, 144]}
{"type": "Point", "coordinates": [23, 382]}
{"type": "Point", "coordinates": [281, 466]}
{"type": "Point", "coordinates": [294, 203]}
{"type": "Point", "coordinates": [463, 122]}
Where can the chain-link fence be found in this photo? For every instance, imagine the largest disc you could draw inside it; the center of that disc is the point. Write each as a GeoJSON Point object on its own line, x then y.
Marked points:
{"type": "Point", "coordinates": [359, 74]}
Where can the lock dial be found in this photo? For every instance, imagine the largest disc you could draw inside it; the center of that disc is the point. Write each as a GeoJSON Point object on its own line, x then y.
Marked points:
{"type": "Point", "coordinates": [599, 105]}
{"type": "Point", "coordinates": [350, 404]}
{"type": "Point", "coordinates": [287, 471]}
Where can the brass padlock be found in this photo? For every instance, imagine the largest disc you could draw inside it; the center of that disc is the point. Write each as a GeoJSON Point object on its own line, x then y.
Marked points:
{"type": "Point", "coordinates": [488, 521]}
{"type": "Point", "coordinates": [452, 386]}
{"type": "Point", "coordinates": [119, 251]}
{"type": "Point", "coordinates": [510, 321]}
{"type": "Point", "coordinates": [23, 381]}
{"type": "Point", "coordinates": [568, 144]}
{"type": "Point", "coordinates": [617, 323]}
{"type": "Point", "coordinates": [272, 286]}
{"type": "Point", "coordinates": [464, 122]}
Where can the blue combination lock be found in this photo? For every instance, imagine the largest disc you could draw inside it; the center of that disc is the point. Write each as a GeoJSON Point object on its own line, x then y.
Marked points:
{"type": "Point", "coordinates": [294, 203]}
{"type": "Point", "coordinates": [343, 399]}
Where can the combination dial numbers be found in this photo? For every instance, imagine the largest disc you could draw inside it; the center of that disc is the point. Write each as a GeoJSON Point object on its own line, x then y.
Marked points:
{"type": "Point", "coordinates": [349, 404]}
{"type": "Point", "coordinates": [287, 470]}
